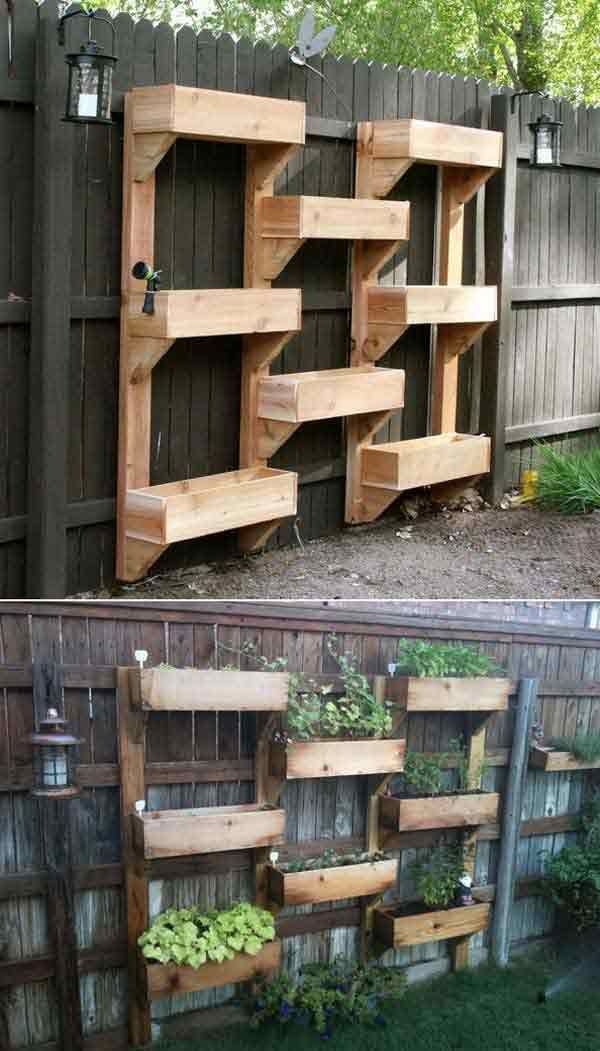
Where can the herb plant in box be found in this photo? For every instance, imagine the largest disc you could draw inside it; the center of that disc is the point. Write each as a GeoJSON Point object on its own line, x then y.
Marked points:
{"type": "Point", "coordinates": [573, 875]}
{"type": "Point", "coordinates": [329, 877]}
{"type": "Point", "coordinates": [438, 676]}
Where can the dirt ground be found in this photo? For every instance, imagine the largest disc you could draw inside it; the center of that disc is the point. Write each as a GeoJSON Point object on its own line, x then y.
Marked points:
{"type": "Point", "coordinates": [489, 553]}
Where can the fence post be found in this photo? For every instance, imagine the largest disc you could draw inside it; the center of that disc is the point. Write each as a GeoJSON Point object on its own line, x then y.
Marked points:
{"type": "Point", "coordinates": [55, 824]}
{"type": "Point", "coordinates": [500, 202]}
{"type": "Point", "coordinates": [511, 821]}
{"type": "Point", "coordinates": [50, 319]}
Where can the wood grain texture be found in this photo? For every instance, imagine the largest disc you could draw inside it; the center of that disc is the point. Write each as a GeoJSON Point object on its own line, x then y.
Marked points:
{"type": "Point", "coordinates": [206, 830]}
{"type": "Point", "coordinates": [192, 689]}
{"type": "Point", "coordinates": [431, 304]}
{"type": "Point", "coordinates": [299, 397]}
{"type": "Point", "coordinates": [398, 931]}
{"type": "Point", "coordinates": [335, 758]}
{"type": "Point", "coordinates": [331, 884]}
{"type": "Point", "coordinates": [424, 461]}
{"type": "Point", "coordinates": [170, 980]}
{"type": "Point", "coordinates": [553, 761]}
{"type": "Point", "coordinates": [215, 312]}
{"type": "Point", "coordinates": [459, 811]}
{"type": "Point", "coordinates": [450, 695]}
{"type": "Point", "coordinates": [334, 217]}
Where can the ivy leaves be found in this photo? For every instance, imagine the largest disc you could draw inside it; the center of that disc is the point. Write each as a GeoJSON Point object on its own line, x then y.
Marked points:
{"type": "Point", "coordinates": [192, 937]}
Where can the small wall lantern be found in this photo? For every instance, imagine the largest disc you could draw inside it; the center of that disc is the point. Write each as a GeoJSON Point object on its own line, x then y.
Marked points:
{"type": "Point", "coordinates": [89, 90]}
{"type": "Point", "coordinates": [54, 758]}
{"type": "Point", "coordinates": [545, 148]}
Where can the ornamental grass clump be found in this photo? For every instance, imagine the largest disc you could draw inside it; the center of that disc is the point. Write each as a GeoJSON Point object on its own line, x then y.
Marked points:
{"type": "Point", "coordinates": [569, 482]}
{"type": "Point", "coordinates": [191, 937]}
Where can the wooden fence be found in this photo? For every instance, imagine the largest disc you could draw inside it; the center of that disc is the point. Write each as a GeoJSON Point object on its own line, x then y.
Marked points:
{"type": "Point", "coordinates": [60, 222]}
{"type": "Point", "coordinates": [203, 759]}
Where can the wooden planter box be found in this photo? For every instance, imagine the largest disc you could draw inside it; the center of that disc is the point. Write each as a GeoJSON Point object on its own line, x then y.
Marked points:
{"type": "Point", "coordinates": [457, 811]}
{"type": "Point", "coordinates": [170, 980]}
{"type": "Point", "coordinates": [195, 690]}
{"type": "Point", "coordinates": [431, 304]}
{"type": "Point", "coordinates": [206, 830]}
{"type": "Point", "coordinates": [164, 514]}
{"type": "Point", "coordinates": [335, 217]}
{"type": "Point", "coordinates": [550, 759]}
{"type": "Point", "coordinates": [184, 313]}
{"type": "Point", "coordinates": [433, 143]}
{"type": "Point", "coordinates": [303, 396]}
{"type": "Point", "coordinates": [449, 695]}
{"type": "Point", "coordinates": [397, 931]}
{"type": "Point", "coordinates": [331, 884]}
{"type": "Point", "coordinates": [424, 461]}
{"type": "Point", "coordinates": [335, 758]}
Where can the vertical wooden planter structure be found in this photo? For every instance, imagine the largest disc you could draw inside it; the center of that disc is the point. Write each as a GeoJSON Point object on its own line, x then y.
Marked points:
{"type": "Point", "coordinates": [386, 149]}
{"type": "Point", "coordinates": [478, 699]}
{"type": "Point", "coordinates": [176, 833]}
{"type": "Point", "coordinates": [255, 498]}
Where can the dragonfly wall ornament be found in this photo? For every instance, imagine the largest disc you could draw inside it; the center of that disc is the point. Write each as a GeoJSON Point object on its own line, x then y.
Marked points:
{"type": "Point", "coordinates": [309, 44]}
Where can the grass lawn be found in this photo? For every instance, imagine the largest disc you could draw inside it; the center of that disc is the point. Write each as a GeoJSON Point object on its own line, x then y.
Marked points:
{"type": "Point", "coordinates": [482, 1010]}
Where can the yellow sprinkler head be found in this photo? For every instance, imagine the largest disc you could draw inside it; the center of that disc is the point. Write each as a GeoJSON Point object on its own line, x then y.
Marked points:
{"type": "Point", "coordinates": [529, 485]}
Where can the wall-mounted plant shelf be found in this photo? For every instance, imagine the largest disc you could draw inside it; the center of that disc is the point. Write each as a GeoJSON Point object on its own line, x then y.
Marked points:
{"type": "Point", "coordinates": [196, 690]}
{"type": "Point", "coordinates": [216, 312]}
{"type": "Point", "coordinates": [163, 514]}
{"type": "Point", "coordinates": [425, 461]}
{"type": "Point", "coordinates": [431, 304]}
{"type": "Point", "coordinates": [395, 145]}
{"type": "Point", "coordinates": [334, 217]}
{"type": "Point", "coordinates": [302, 396]}
{"type": "Point", "coordinates": [207, 830]}
{"type": "Point", "coordinates": [395, 927]}
{"type": "Point", "coordinates": [480, 694]}
{"type": "Point", "coordinates": [169, 980]}
{"type": "Point", "coordinates": [552, 760]}
{"type": "Point", "coordinates": [331, 884]}
{"type": "Point", "coordinates": [221, 116]}
{"type": "Point", "coordinates": [336, 758]}
{"type": "Point", "coordinates": [456, 811]}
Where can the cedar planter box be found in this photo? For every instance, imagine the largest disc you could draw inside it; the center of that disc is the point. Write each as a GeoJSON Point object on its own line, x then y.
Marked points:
{"type": "Point", "coordinates": [424, 461]}
{"type": "Point", "coordinates": [452, 811]}
{"type": "Point", "coordinates": [336, 758]}
{"type": "Point", "coordinates": [206, 830]}
{"type": "Point", "coordinates": [331, 884]}
{"type": "Point", "coordinates": [192, 689]}
{"type": "Point", "coordinates": [552, 760]}
{"type": "Point", "coordinates": [450, 695]}
{"type": "Point", "coordinates": [395, 927]}
{"type": "Point", "coordinates": [170, 980]}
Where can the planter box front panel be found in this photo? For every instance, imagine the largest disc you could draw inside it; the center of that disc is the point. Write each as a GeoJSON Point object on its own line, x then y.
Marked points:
{"type": "Point", "coordinates": [431, 304]}
{"type": "Point", "coordinates": [428, 141]}
{"type": "Point", "coordinates": [398, 931]}
{"type": "Point", "coordinates": [215, 312]}
{"type": "Point", "coordinates": [303, 396]}
{"type": "Point", "coordinates": [335, 217]}
{"type": "Point", "coordinates": [193, 689]}
{"type": "Point", "coordinates": [164, 514]}
{"type": "Point", "coordinates": [299, 759]}
{"type": "Point", "coordinates": [450, 695]}
{"type": "Point", "coordinates": [171, 980]}
{"type": "Point", "coordinates": [222, 116]}
{"type": "Point", "coordinates": [411, 815]}
{"type": "Point", "coordinates": [551, 760]}
{"type": "Point", "coordinates": [425, 461]}
{"type": "Point", "coordinates": [207, 830]}
{"type": "Point", "coordinates": [331, 884]}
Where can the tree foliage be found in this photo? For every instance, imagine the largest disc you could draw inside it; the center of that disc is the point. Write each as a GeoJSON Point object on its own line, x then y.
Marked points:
{"type": "Point", "coordinates": [549, 45]}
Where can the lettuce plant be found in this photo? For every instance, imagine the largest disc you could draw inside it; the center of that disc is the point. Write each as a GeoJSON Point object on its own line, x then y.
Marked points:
{"type": "Point", "coordinates": [192, 936]}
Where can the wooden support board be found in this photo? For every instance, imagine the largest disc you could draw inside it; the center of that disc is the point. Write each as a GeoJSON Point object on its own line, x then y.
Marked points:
{"type": "Point", "coordinates": [475, 761]}
{"type": "Point", "coordinates": [205, 690]}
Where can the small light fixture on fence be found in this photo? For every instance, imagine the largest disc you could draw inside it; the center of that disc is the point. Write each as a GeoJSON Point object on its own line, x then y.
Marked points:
{"type": "Point", "coordinates": [54, 758]}
{"type": "Point", "coordinates": [545, 135]}
{"type": "Point", "coordinates": [89, 89]}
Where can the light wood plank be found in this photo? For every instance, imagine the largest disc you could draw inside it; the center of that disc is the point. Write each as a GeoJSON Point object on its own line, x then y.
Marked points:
{"type": "Point", "coordinates": [398, 931]}
{"type": "Point", "coordinates": [199, 690]}
{"type": "Point", "coordinates": [303, 396]}
{"type": "Point", "coordinates": [170, 980]}
{"type": "Point", "coordinates": [206, 830]}
{"type": "Point", "coordinates": [335, 217]}
{"type": "Point", "coordinates": [331, 884]}
{"type": "Point", "coordinates": [431, 304]}
{"type": "Point", "coordinates": [334, 758]}
{"type": "Point", "coordinates": [215, 312]}
{"type": "Point", "coordinates": [435, 143]}
{"type": "Point", "coordinates": [424, 461]}
{"type": "Point", "coordinates": [458, 811]}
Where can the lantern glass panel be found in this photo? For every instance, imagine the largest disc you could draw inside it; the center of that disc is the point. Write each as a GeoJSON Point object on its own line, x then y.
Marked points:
{"type": "Point", "coordinates": [84, 89]}
{"type": "Point", "coordinates": [54, 766]}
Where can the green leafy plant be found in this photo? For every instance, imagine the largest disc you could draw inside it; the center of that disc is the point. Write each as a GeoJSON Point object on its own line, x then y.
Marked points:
{"type": "Point", "coordinates": [440, 660]}
{"type": "Point", "coordinates": [583, 746]}
{"type": "Point", "coordinates": [573, 875]}
{"type": "Point", "coordinates": [193, 936]}
{"type": "Point", "coordinates": [569, 482]}
{"type": "Point", "coordinates": [437, 878]}
{"type": "Point", "coordinates": [313, 710]}
{"type": "Point", "coordinates": [328, 859]}
{"type": "Point", "coordinates": [425, 773]}
{"type": "Point", "coordinates": [328, 994]}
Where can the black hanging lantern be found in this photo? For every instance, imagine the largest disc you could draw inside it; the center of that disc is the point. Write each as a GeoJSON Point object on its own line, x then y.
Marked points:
{"type": "Point", "coordinates": [89, 91]}
{"type": "Point", "coordinates": [54, 758]}
{"type": "Point", "coordinates": [545, 147]}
